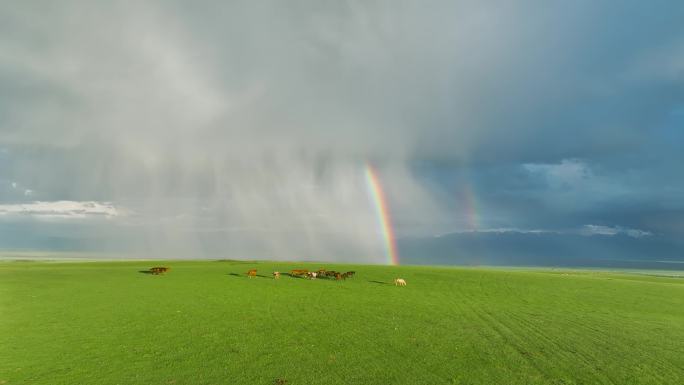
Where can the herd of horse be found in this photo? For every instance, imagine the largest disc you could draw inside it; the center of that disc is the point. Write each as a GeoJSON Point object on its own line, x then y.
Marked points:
{"type": "Point", "coordinates": [320, 273]}
{"type": "Point", "coordinates": [304, 273]}
{"type": "Point", "coordinates": [299, 273]}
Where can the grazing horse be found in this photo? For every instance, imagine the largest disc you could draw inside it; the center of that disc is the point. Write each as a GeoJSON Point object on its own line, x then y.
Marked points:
{"type": "Point", "coordinates": [399, 282]}
{"type": "Point", "coordinates": [338, 276]}
{"type": "Point", "coordinates": [311, 275]}
{"type": "Point", "coordinates": [276, 275]}
{"type": "Point", "coordinates": [159, 270]}
{"type": "Point", "coordinates": [251, 273]}
{"type": "Point", "coordinates": [298, 272]}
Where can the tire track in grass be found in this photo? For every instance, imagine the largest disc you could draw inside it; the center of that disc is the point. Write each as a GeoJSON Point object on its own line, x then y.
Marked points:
{"type": "Point", "coordinates": [657, 367]}
{"type": "Point", "coordinates": [588, 359]}
{"type": "Point", "coordinates": [583, 331]}
{"type": "Point", "coordinates": [474, 305]}
{"type": "Point", "coordinates": [512, 340]}
{"type": "Point", "coordinates": [528, 328]}
{"type": "Point", "coordinates": [467, 306]}
{"type": "Point", "coordinates": [431, 316]}
{"type": "Point", "coordinates": [661, 366]}
{"type": "Point", "coordinates": [434, 318]}
{"type": "Point", "coordinates": [521, 344]}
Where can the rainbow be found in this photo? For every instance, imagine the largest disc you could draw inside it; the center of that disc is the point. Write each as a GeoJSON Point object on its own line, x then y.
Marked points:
{"type": "Point", "coordinates": [378, 196]}
{"type": "Point", "coordinates": [470, 204]}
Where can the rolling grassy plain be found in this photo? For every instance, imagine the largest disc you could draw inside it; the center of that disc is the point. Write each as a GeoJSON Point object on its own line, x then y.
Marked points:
{"type": "Point", "coordinates": [206, 323]}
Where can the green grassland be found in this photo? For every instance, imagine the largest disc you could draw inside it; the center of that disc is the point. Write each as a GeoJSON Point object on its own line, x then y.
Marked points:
{"type": "Point", "coordinates": [206, 323]}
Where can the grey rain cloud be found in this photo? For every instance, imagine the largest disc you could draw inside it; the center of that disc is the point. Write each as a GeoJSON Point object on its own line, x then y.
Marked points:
{"type": "Point", "coordinates": [243, 129]}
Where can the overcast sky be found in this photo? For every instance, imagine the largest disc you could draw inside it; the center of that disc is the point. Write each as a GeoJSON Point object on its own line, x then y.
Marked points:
{"type": "Point", "coordinates": [243, 129]}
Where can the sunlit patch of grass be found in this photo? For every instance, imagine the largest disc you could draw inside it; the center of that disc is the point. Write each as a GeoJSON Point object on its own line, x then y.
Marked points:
{"type": "Point", "coordinates": [207, 323]}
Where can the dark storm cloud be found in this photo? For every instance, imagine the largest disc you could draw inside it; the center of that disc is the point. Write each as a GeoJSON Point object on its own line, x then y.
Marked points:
{"type": "Point", "coordinates": [254, 120]}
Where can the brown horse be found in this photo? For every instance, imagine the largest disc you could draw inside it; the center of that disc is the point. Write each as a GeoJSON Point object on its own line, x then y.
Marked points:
{"type": "Point", "coordinates": [297, 272]}
{"type": "Point", "coordinates": [159, 270]}
{"type": "Point", "coordinates": [251, 273]}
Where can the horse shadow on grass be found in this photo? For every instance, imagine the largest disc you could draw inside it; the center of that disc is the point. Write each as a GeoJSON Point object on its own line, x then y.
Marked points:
{"type": "Point", "coordinates": [144, 271]}
{"type": "Point", "coordinates": [295, 276]}
{"type": "Point", "coordinates": [379, 283]}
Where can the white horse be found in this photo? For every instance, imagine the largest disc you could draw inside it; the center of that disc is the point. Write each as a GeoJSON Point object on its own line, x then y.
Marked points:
{"type": "Point", "coordinates": [399, 282]}
{"type": "Point", "coordinates": [276, 275]}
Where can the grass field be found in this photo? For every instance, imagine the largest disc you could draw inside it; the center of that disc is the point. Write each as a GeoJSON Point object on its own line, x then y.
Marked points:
{"type": "Point", "coordinates": [206, 323]}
